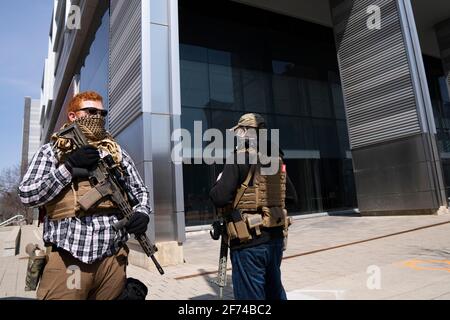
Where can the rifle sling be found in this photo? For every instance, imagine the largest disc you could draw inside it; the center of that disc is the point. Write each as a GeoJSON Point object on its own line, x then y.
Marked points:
{"type": "Point", "coordinates": [244, 186]}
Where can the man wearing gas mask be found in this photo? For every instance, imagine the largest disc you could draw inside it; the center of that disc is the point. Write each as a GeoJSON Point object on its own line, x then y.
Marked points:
{"type": "Point", "coordinates": [252, 201]}
{"type": "Point", "coordinates": [87, 258]}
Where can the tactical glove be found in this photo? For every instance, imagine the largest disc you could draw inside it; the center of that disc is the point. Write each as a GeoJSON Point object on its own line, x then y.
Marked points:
{"type": "Point", "coordinates": [86, 157]}
{"type": "Point", "coordinates": [137, 223]}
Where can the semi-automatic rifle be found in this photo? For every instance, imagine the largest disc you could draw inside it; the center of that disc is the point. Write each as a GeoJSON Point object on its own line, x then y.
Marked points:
{"type": "Point", "coordinates": [108, 182]}
{"type": "Point", "coordinates": [219, 231]}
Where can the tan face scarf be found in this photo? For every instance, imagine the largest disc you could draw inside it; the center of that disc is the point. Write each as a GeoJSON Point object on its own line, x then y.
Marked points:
{"type": "Point", "coordinates": [94, 129]}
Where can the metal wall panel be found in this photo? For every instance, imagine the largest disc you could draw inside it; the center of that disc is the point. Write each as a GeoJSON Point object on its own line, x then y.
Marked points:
{"type": "Point", "coordinates": [378, 90]}
{"type": "Point", "coordinates": [131, 139]}
{"type": "Point", "coordinates": [125, 86]}
{"type": "Point", "coordinates": [388, 108]}
{"type": "Point", "coordinates": [159, 12]}
{"type": "Point", "coordinates": [164, 184]}
{"type": "Point", "coordinates": [160, 81]}
{"type": "Point", "coordinates": [162, 105]}
{"type": "Point", "coordinates": [397, 176]}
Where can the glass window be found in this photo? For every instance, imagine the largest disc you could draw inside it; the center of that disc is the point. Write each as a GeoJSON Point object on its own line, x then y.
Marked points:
{"type": "Point", "coordinates": [336, 95]}
{"type": "Point", "coordinates": [94, 71]}
{"type": "Point", "coordinates": [441, 112]}
{"type": "Point", "coordinates": [237, 59]}
{"type": "Point", "coordinates": [197, 182]}
{"type": "Point", "coordinates": [221, 83]}
{"type": "Point", "coordinates": [195, 84]}
{"type": "Point", "coordinates": [295, 133]}
{"type": "Point", "coordinates": [327, 138]}
{"type": "Point", "coordinates": [318, 92]}
{"type": "Point", "coordinates": [288, 95]}
{"type": "Point", "coordinates": [224, 120]}
{"type": "Point", "coordinates": [219, 57]}
{"type": "Point", "coordinates": [193, 53]}
{"type": "Point", "coordinates": [255, 87]}
{"type": "Point", "coordinates": [190, 115]}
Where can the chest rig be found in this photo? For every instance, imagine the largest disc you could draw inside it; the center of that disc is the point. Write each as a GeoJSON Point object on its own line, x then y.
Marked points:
{"type": "Point", "coordinates": [66, 203]}
{"type": "Point", "coordinates": [259, 203]}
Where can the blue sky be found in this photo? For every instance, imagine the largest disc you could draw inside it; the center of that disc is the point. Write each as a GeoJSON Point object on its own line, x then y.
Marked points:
{"type": "Point", "coordinates": [24, 28]}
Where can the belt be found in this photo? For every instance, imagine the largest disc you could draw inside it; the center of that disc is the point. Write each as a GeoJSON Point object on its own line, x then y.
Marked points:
{"type": "Point", "coordinates": [51, 247]}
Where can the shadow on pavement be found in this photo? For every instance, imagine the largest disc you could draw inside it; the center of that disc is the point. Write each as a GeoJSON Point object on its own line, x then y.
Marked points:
{"type": "Point", "coordinates": [210, 278]}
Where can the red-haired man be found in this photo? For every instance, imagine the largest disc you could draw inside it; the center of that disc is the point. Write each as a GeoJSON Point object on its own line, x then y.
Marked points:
{"type": "Point", "coordinates": [87, 258]}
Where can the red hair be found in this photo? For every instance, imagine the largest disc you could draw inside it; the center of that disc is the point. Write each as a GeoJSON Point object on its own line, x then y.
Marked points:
{"type": "Point", "coordinates": [75, 103]}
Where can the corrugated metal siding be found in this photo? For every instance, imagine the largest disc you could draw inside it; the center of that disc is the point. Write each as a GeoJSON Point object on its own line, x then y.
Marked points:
{"type": "Point", "coordinates": [378, 91]}
{"type": "Point", "coordinates": [125, 94]}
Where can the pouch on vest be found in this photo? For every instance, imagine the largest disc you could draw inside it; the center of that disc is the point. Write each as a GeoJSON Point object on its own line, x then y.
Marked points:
{"type": "Point", "coordinates": [254, 221]}
{"type": "Point", "coordinates": [237, 227]}
{"type": "Point", "coordinates": [274, 217]}
{"type": "Point", "coordinates": [231, 230]}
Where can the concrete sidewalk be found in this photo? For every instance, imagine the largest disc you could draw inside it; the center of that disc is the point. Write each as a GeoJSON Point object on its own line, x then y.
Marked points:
{"type": "Point", "coordinates": [332, 257]}
{"type": "Point", "coordinates": [340, 273]}
{"type": "Point", "coordinates": [13, 269]}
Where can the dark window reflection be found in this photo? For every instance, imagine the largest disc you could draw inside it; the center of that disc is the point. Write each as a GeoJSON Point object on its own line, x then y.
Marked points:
{"type": "Point", "coordinates": [441, 110]}
{"type": "Point", "coordinates": [94, 67]}
{"type": "Point", "coordinates": [237, 59]}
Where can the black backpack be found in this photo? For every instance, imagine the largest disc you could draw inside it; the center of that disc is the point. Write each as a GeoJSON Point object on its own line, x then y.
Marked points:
{"type": "Point", "coordinates": [134, 290]}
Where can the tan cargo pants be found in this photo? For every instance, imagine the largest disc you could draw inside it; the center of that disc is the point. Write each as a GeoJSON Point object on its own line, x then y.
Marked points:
{"type": "Point", "coordinates": [67, 278]}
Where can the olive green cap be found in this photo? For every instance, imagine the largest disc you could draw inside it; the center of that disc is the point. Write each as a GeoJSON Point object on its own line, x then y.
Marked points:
{"type": "Point", "coordinates": [253, 120]}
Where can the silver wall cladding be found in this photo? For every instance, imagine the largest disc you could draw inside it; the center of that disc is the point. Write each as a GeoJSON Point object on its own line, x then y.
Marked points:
{"type": "Point", "coordinates": [405, 202]}
{"type": "Point", "coordinates": [375, 74]}
{"type": "Point", "coordinates": [391, 154]}
{"type": "Point", "coordinates": [164, 188]}
{"type": "Point", "coordinates": [396, 175]}
{"type": "Point", "coordinates": [125, 86]}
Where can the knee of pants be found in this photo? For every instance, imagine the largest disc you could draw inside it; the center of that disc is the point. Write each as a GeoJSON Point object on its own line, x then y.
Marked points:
{"type": "Point", "coordinates": [63, 279]}
{"type": "Point", "coordinates": [110, 277]}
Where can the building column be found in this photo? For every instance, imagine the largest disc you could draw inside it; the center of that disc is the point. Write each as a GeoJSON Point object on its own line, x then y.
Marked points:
{"type": "Point", "coordinates": [388, 108]}
{"type": "Point", "coordinates": [145, 109]}
{"type": "Point", "coordinates": [162, 115]}
{"type": "Point", "coordinates": [443, 37]}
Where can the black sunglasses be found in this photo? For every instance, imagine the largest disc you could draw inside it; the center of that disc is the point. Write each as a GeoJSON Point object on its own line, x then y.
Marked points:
{"type": "Point", "coordinates": [95, 111]}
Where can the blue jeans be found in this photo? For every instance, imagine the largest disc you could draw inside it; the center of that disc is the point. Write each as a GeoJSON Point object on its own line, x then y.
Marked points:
{"type": "Point", "coordinates": [256, 272]}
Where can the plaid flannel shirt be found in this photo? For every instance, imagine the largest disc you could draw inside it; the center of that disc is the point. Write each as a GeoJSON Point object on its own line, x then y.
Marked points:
{"type": "Point", "coordinates": [88, 238]}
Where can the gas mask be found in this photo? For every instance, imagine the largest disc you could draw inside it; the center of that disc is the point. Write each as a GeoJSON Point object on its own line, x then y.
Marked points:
{"type": "Point", "coordinates": [247, 138]}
